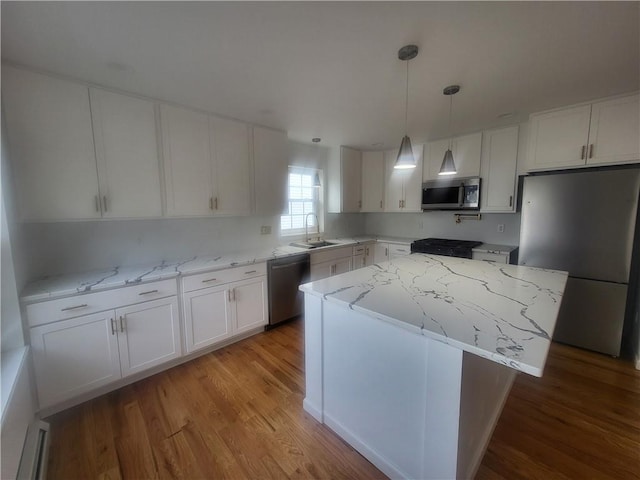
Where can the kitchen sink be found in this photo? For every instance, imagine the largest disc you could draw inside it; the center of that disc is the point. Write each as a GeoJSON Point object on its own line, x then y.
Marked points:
{"type": "Point", "coordinates": [316, 244]}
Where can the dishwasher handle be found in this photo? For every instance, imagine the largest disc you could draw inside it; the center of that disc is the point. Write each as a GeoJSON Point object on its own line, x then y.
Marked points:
{"type": "Point", "coordinates": [288, 265]}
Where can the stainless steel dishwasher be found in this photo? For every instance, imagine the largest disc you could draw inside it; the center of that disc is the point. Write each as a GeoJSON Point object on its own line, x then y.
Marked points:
{"type": "Point", "coordinates": [284, 276]}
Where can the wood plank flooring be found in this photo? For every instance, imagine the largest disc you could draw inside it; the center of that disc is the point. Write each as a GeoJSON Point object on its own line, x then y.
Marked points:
{"type": "Point", "coordinates": [237, 413]}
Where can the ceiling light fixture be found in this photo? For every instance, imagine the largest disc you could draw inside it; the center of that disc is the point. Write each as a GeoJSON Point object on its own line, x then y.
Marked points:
{"type": "Point", "coordinates": [448, 166]}
{"type": "Point", "coordinates": [405, 154]}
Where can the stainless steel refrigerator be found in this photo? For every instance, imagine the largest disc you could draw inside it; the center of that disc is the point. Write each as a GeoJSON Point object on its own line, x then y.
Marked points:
{"type": "Point", "coordinates": [584, 222]}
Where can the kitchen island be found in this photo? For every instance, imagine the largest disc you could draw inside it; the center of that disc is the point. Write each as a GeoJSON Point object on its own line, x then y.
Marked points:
{"type": "Point", "coordinates": [410, 361]}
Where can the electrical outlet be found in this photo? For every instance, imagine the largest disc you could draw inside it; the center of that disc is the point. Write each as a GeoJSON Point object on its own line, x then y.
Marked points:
{"type": "Point", "coordinates": [501, 228]}
{"type": "Point", "coordinates": [265, 230]}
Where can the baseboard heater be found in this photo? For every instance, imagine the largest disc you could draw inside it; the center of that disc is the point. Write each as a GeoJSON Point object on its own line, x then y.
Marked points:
{"type": "Point", "coordinates": [33, 463]}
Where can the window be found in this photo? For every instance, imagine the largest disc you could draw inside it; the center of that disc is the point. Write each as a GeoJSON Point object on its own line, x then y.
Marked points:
{"type": "Point", "coordinates": [303, 199]}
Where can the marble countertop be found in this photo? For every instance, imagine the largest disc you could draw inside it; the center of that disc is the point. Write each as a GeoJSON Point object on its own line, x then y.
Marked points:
{"type": "Point", "coordinates": [505, 313]}
{"type": "Point", "coordinates": [57, 286]}
{"type": "Point", "coordinates": [493, 248]}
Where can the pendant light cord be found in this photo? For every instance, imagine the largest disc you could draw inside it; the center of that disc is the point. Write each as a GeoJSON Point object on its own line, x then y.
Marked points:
{"type": "Point", "coordinates": [406, 101]}
{"type": "Point", "coordinates": [450, 131]}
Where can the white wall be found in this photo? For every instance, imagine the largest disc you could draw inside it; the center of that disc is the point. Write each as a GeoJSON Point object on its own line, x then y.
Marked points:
{"type": "Point", "coordinates": [442, 225]}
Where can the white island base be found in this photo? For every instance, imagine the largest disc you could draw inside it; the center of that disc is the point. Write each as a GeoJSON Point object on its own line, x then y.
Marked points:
{"type": "Point", "coordinates": [414, 406]}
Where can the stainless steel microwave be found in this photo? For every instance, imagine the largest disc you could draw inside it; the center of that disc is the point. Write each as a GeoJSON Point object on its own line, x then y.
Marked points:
{"type": "Point", "coordinates": [451, 194]}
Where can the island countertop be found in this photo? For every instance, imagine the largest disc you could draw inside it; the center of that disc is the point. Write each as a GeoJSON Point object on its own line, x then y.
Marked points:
{"type": "Point", "coordinates": [505, 313]}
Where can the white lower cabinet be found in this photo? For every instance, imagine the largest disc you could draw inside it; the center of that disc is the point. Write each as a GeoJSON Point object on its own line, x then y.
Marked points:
{"type": "Point", "coordinates": [327, 263]}
{"type": "Point", "coordinates": [148, 335]}
{"type": "Point", "coordinates": [236, 304]}
{"type": "Point", "coordinates": [78, 355]}
{"type": "Point", "coordinates": [362, 256]}
{"type": "Point", "coordinates": [385, 252]}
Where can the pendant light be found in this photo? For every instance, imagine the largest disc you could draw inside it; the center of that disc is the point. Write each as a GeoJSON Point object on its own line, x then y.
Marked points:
{"type": "Point", "coordinates": [448, 166]}
{"type": "Point", "coordinates": [405, 154]}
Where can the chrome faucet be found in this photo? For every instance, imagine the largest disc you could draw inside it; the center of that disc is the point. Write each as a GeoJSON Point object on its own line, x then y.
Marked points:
{"type": "Point", "coordinates": [306, 226]}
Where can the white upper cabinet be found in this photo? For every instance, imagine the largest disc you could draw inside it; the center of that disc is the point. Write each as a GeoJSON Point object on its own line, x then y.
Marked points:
{"type": "Point", "coordinates": [403, 187]}
{"type": "Point", "coordinates": [499, 162]}
{"type": "Point", "coordinates": [602, 133]}
{"type": "Point", "coordinates": [614, 132]}
{"type": "Point", "coordinates": [51, 146]}
{"type": "Point", "coordinates": [351, 179]}
{"type": "Point", "coordinates": [187, 161]}
{"type": "Point", "coordinates": [207, 164]}
{"type": "Point", "coordinates": [466, 151]}
{"type": "Point", "coordinates": [271, 171]}
{"type": "Point", "coordinates": [127, 153]}
{"type": "Point", "coordinates": [231, 167]}
{"type": "Point", "coordinates": [345, 180]}
{"type": "Point", "coordinates": [372, 182]}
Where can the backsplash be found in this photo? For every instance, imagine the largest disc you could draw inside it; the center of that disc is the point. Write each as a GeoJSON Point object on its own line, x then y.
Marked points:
{"type": "Point", "coordinates": [54, 248]}
{"type": "Point", "coordinates": [442, 225]}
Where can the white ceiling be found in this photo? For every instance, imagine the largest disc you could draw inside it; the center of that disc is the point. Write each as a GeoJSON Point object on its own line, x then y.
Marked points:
{"type": "Point", "coordinates": [330, 69]}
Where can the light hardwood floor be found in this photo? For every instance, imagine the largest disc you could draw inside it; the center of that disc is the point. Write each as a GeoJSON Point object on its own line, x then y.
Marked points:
{"type": "Point", "coordinates": [237, 413]}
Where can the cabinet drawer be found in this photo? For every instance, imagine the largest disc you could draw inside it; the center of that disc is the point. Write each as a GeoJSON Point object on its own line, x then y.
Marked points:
{"type": "Point", "coordinates": [398, 249]}
{"type": "Point", "coordinates": [331, 254]}
{"type": "Point", "coordinates": [218, 277]}
{"type": "Point", "coordinates": [491, 256]}
{"type": "Point", "coordinates": [359, 250]}
{"type": "Point", "coordinates": [61, 309]}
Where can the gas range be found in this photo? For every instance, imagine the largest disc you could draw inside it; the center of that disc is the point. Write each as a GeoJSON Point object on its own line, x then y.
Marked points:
{"type": "Point", "coordinates": [443, 246]}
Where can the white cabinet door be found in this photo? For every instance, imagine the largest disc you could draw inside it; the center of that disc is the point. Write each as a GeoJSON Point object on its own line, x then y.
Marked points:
{"type": "Point", "coordinates": [207, 317]}
{"type": "Point", "coordinates": [350, 179]}
{"type": "Point", "coordinates": [614, 132]}
{"type": "Point", "coordinates": [466, 151]}
{"type": "Point", "coordinates": [271, 171]}
{"type": "Point", "coordinates": [321, 270]}
{"type": "Point", "coordinates": [369, 254]}
{"type": "Point", "coordinates": [187, 161]}
{"type": "Point", "coordinates": [560, 138]}
{"type": "Point", "coordinates": [394, 182]}
{"type": "Point", "coordinates": [342, 265]}
{"type": "Point", "coordinates": [412, 186]}
{"type": "Point", "coordinates": [403, 187]}
{"type": "Point", "coordinates": [148, 334]}
{"type": "Point", "coordinates": [381, 252]}
{"type": "Point", "coordinates": [372, 182]}
{"type": "Point", "coordinates": [499, 163]}
{"type": "Point", "coordinates": [358, 261]}
{"type": "Point", "coordinates": [127, 152]}
{"type": "Point", "coordinates": [232, 173]}
{"type": "Point", "coordinates": [51, 146]}
{"type": "Point", "coordinates": [250, 298]}
{"type": "Point", "coordinates": [398, 250]}
{"type": "Point", "coordinates": [74, 356]}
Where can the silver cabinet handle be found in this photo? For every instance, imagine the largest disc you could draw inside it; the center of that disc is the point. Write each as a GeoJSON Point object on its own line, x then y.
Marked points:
{"type": "Point", "coordinates": [250, 272]}
{"type": "Point", "coordinates": [380, 203]}
{"type": "Point", "coordinates": [386, 252]}
{"type": "Point", "coordinates": [74, 307]}
{"type": "Point", "coordinates": [209, 280]}
{"type": "Point", "coordinates": [511, 200]}
{"type": "Point", "coordinates": [366, 251]}
{"type": "Point", "coordinates": [234, 294]}
{"type": "Point", "coordinates": [359, 203]}
{"type": "Point", "coordinates": [215, 203]}
{"type": "Point", "coordinates": [591, 151]}
{"type": "Point", "coordinates": [210, 203]}
{"type": "Point", "coordinates": [97, 199]}
{"type": "Point", "coordinates": [229, 295]}
{"type": "Point", "coordinates": [104, 201]}
{"type": "Point", "coordinates": [113, 330]}
{"type": "Point", "coordinates": [148, 292]}
{"type": "Point", "coordinates": [582, 154]}
{"type": "Point", "coordinates": [121, 324]}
